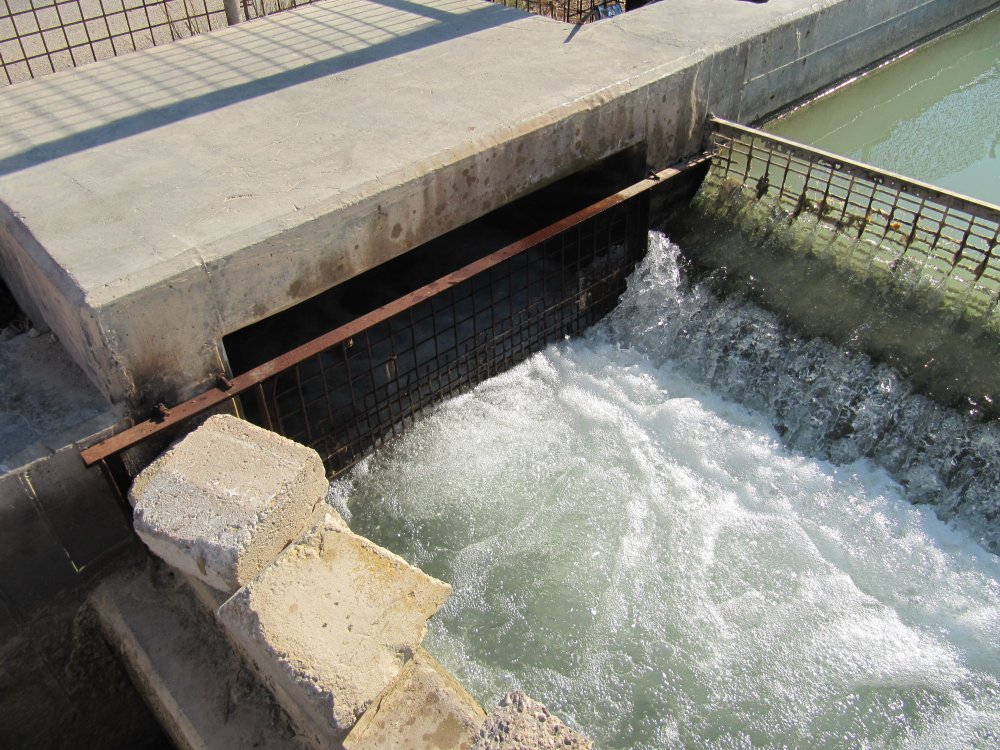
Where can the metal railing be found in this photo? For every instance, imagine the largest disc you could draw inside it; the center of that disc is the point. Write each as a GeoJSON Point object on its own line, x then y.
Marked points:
{"type": "Point", "coordinates": [569, 11]}
{"type": "Point", "coordinates": [348, 391]}
{"type": "Point", "coordinates": [953, 239]}
{"type": "Point", "coordinates": [38, 37]}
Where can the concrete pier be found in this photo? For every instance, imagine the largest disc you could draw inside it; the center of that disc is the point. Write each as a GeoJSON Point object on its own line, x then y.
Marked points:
{"type": "Point", "coordinates": [151, 204]}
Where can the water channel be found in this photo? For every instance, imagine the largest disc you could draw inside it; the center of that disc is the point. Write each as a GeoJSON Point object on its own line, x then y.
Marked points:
{"type": "Point", "coordinates": [934, 115]}
{"type": "Point", "coordinates": [692, 527]}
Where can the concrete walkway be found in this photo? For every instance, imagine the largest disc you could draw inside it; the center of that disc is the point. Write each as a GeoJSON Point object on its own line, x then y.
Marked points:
{"type": "Point", "coordinates": [153, 203]}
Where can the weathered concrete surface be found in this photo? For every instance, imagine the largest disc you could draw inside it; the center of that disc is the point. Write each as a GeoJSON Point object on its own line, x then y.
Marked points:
{"type": "Point", "coordinates": [224, 501]}
{"type": "Point", "coordinates": [330, 624]}
{"type": "Point", "coordinates": [189, 675]}
{"type": "Point", "coordinates": [151, 204]}
{"type": "Point", "coordinates": [424, 708]}
{"type": "Point", "coordinates": [46, 402]}
{"type": "Point", "coordinates": [520, 723]}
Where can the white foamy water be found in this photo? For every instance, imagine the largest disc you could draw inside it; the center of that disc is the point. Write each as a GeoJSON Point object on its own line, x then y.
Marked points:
{"type": "Point", "coordinates": [650, 559]}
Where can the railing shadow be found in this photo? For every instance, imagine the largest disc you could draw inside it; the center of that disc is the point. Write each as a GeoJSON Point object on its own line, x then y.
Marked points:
{"type": "Point", "coordinates": [327, 30]}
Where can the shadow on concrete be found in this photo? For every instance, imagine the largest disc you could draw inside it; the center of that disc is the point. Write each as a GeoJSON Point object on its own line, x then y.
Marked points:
{"type": "Point", "coordinates": [446, 25]}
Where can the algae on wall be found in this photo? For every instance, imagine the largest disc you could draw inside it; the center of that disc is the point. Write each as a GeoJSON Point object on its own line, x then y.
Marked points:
{"type": "Point", "coordinates": [888, 293]}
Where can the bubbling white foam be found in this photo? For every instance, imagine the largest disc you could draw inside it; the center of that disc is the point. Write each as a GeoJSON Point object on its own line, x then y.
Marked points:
{"type": "Point", "coordinates": [650, 560]}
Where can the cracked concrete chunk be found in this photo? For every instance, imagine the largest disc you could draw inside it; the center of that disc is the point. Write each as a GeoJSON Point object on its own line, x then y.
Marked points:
{"type": "Point", "coordinates": [520, 722]}
{"type": "Point", "coordinates": [423, 709]}
{"type": "Point", "coordinates": [330, 624]}
{"type": "Point", "coordinates": [221, 503]}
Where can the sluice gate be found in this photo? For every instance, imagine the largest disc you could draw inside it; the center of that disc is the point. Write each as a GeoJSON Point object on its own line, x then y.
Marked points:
{"type": "Point", "coordinates": [878, 262]}
{"type": "Point", "coordinates": [349, 390]}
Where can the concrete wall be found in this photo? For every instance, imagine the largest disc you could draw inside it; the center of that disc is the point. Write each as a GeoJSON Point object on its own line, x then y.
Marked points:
{"type": "Point", "coordinates": [202, 232]}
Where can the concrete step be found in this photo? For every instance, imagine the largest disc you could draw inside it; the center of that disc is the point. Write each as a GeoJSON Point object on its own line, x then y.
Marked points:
{"type": "Point", "coordinates": [198, 687]}
{"type": "Point", "coordinates": [424, 708]}
{"type": "Point", "coordinates": [330, 624]}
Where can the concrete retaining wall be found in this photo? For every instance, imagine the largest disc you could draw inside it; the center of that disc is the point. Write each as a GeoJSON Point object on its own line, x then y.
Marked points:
{"type": "Point", "coordinates": [236, 174]}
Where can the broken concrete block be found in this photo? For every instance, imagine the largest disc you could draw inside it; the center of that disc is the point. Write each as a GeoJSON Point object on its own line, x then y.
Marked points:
{"type": "Point", "coordinates": [520, 722]}
{"type": "Point", "coordinates": [221, 503]}
{"type": "Point", "coordinates": [424, 708]}
{"type": "Point", "coordinates": [211, 599]}
{"type": "Point", "coordinates": [330, 624]}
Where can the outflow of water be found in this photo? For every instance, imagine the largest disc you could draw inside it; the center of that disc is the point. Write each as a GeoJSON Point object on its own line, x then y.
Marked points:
{"type": "Point", "coordinates": [669, 531]}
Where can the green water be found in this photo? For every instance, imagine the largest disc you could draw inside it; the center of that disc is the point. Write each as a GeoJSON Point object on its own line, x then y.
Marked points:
{"type": "Point", "coordinates": [933, 115]}
{"type": "Point", "coordinates": [646, 556]}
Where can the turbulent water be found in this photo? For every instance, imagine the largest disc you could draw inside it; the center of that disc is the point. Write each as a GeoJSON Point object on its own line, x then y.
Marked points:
{"type": "Point", "coordinates": [668, 530]}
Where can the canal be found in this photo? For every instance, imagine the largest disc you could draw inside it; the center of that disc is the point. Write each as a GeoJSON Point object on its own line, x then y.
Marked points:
{"type": "Point", "coordinates": [933, 115]}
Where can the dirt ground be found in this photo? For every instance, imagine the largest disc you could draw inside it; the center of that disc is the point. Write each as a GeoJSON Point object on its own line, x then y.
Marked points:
{"type": "Point", "coordinates": [61, 685]}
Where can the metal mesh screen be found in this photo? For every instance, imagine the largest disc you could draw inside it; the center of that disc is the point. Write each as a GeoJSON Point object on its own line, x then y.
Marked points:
{"type": "Point", "coordinates": [348, 399]}
{"type": "Point", "coordinates": [350, 389]}
{"type": "Point", "coordinates": [949, 240]}
{"type": "Point", "coordinates": [43, 36]}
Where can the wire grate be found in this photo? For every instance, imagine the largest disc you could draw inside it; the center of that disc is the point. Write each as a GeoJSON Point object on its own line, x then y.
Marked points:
{"type": "Point", "coordinates": [947, 241]}
{"type": "Point", "coordinates": [347, 400]}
